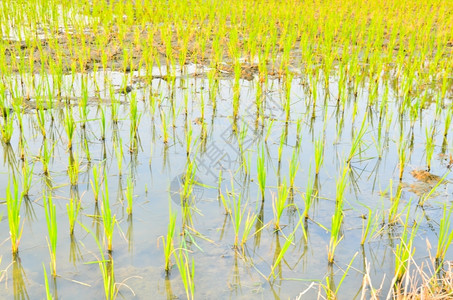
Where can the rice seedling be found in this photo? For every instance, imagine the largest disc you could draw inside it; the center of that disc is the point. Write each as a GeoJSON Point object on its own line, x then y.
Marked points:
{"type": "Point", "coordinates": [187, 272]}
{"type": "Point", "coordinates": [107, 269]}
{"type": "Point", "coordinates": [293, 167]}
{"type": "Point", "coordinates": [168, 241]}
{"type": "Point", "coordinates": [404, 250]}
{"type": "Point", "coordinates": [445, 236]}
{"type": "Point", "coordinates": [335, 231]}
{"type": "Point", "coordinates": [69, 125]}
{"type": "Point", "coordinates": [281, 254]}
{"type": "Point", "coordinates": [46, 284]}
{"type": "Point", "coordinates": [279, 204]}
{"type": "Point", "coordinates": [309, 195]}
{"type": "Point", "coordinates": [394, 204]}
{"type": "Point", "coordinates": [107, 219]}
{"type": "Point", "coordinates": [371, 225]}
{"type": "Point", "coordinates": [27, 177]}
{"type": "Point", "coordinates": [402, 157]}
{"type": "Point", "coordinates": [426, 196]}
{"type": "Point", "coordinates": [319, 154]}
{"type": "Point", "coordinates": [73, 168]}
{"type": "Point", "coordinates": [331, 291]}
{"type": "Point", "coordinates": [129, 195]}
{"type": "Point", "coordinates": [357, 140]}
{"type": "Point", "coordinates": [73, 210]}
{"type": "Point", "coordinates": [95, 182]}
{"type": "Point", "coordinates": [13, 204]}
{"type": "Point", "coordinates": [429, 149]}
{"type": "Point", "coordinates": [261, 168]}
{"type": "Point", "coordinates": [51, 220]}
{"type": "Point", "coordinates": [7, 126]}
{"type": "Point", "coordinates": [118, 147]}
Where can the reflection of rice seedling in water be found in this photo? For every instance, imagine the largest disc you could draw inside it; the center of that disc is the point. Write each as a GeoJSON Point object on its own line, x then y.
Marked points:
{"type": "Point", "coordinates": [13, 204]}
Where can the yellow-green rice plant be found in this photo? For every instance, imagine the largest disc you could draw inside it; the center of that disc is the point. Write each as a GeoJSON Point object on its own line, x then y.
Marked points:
{"type": "Point", "coordinates": [27, 177]}
{"type": "Point", "coordinates": [371, 225]}
{"type": "Point", "coordinates": [394, 204]}
{"type": "Point", "coordinates": [319, 153]}
{"type": "Point", "coordinates": [445, 236]}
{"type": "Point", "coordinates": [69, 126]}
{"type": "Point", "coordinates": [95, 182]}
{"type": "Point", "coordinates": [237, 214]}
{"type": "Point", "coordinates": [357, 140]}
{"type": "Point", "coordinates": [107, 218]}
{"type": "Point", "coordinates": [261, 168]}
{"type": "Point", "coordinates": [118, 147]}
{"type": "Point", "coordinates": [73, 168]}
{"type": "Point", "coordinates": [404, 250]}
{"type": "Point", "coordinates": [46, 284]}
{"type": "Point", "coordinates": [293, 167]}
{"type": "Point", "coordinates": [331, 291]}
{"type": "Point", "coordinates": [129, 195]}
{"type": "Point", "coordinates": [134, 121]}
{"type": "Point", "coordinates": [41, 117]}
{"type": "Point", "coordinates": [13, 204]}
{"type": "Point", "coordinates": [281, 254]}
{"type": "Point", "coordinates": [248, 225]}
{"type": "Point", "coordinates": [429, 149]}
{"type": "Point", "coordinates": [51, 220]}
{"type": "Point", "coordinates": [335, 231]}
{"type": "Point", "coordinates": [168, 241]}
{"type": "Point", "coordinates": [402, 156]}
{"type": "Point", "coordinates": [187, 272]}
{"type": "Point", "coordinates": [309, 195]}
{"type": "Point", "coordinates": [279, 204]}
{"type": "Point", "coordinates": [426, 196]}
{"type": "Point", "coordinates": [107, 269]}
{"type": "Point", "coordinates": [102, 121]}
{"type": "Point", "coordinates": [447, 121]}
{"type": "Point", "coordinates": [73, 209]}
{"type": "Point", "coordinates": [46, 155]}
{"type": "Point", "coordinates": [7, 126]}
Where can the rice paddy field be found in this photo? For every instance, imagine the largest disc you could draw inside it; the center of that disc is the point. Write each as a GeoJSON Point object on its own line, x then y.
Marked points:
{"type": "Point", "coordinates": [206, 149]}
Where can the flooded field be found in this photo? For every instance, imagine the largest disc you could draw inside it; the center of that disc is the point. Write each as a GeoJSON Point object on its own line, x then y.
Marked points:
{"type": "Point", "coordinates": [200, 150]}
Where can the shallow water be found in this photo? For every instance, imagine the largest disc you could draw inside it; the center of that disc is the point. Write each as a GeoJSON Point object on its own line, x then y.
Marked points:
{"type": "Point", "coordinates": [220, 270]}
